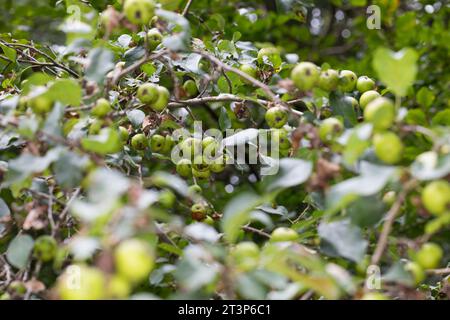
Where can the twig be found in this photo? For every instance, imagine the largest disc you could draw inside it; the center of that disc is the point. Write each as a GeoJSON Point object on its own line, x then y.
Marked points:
{"type": "Point", "coordinates": [186, 8]}
{"type": "Point", "coordinates": [257, 231]}
{"type": "Point", "coordinates": [439, 271]}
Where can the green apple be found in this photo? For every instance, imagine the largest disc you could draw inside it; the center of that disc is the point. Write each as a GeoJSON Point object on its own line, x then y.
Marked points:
{"type": "Point", "coordinates": [95, 127]}
{"type": "Point", "coordinates": [374, 296]}
{"type": "Point", "coordinates": [283, 234]}
{"type": "Point", "coordinates": [168, 144]}
{"type": "Point", "coordinates": [190, 88]}
{"type": "Point", "coordinates": [352, 101]}
{"type": "Point", "coordinates": [118, 288]}
{"type": "Point", "coordinates": [436, 197]}
{"type": "Point", "coordinates": [217, 165]}
{"type": "Point", "coordinates": [305, 75]}
{"type": "Point", "coordinates": [347, 80]}
{"type": "Point", "coordinates": [389, 198]}
{"type": "Point", "coordinates": [276, 117]}
{"type": "Point", "coordinates": [280, 137]}
{"type": "Point", "coordinates": [184, 168]}
{"type": "Point", "coordinates": [246, 255]}
{"type": "Point", "coordinates": [124, 134]}
{"type": "Point", "coordinates": [102, 108]}
{"type": "Point", "coordinates": [157, 142]}
{"type": "Point", "coordinates": [198, 211]}
{"type": "Point", "coordinates": [163, 99]}
{"type": "Point", "coordinates": [364, 84]}
{"type": "Point", "coordinates": [416, 272]}
{"type": "Point", "coordinates": [270, 55]}
{"type": "Point", "coordinates": [80, 282]}
{"type": "Point", "coordinates": [147, 93]}
{"type": "Point", "coordinates": [330, 128]}
{"type": "Point", "coordinates": [139, 12]}
{"type": "Point", "coordinates": [167, 198]}
{"type": "Point", "coordinates": [194, 191]}
{"type": "Point", "coordinates": [328, 80]}
{"type": "Point", "coordinates": [45, 248]}
{"type": "Point", "coordinates": [40, 104]}
{"type": "Point", "coordinates": [381, 113]}
{"type": "Point", "coordinates": [154, 38]}
{"type": "Point", "coordinates": [429, 255]}
{"type": "Point", "coordinates": [368, 97]}
{"type": "Point", "coordinates": [388, 147]}
{"type": "Point", "coordinates": [250, 70]}
{"type": "Point", "coordinates": [139, 142]}
{"type": "Point", "coordinates": [134, 259]}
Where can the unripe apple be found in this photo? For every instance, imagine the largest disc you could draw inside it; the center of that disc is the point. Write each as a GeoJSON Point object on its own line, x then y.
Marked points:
{"type": "Point", "coordinates": [330, 128]}
{"type": "Point", "coordinates": [139, 142]}
{"type": "Point", "coordinates": [347, 80]}
{"type": "Point", "coordinates": [328, 80]}
{"type": "Point", "coordinates": [80, 282]}
{"type": "Point", "coordinates": [134, 259]}
{"type": "Point", "coordinates": [364, 84]}
{"type": "Point", "coordinates": [40, 104]}
{"type": "Point", "coordinates": [368, 97]}
{"type": "Point", "coordinates": [118, 287]}
{"type": "Point", "coordinates": [124, 134]}
{"type": "Point", "coordinates": [270, 55]}
{"type": "Point", "coordinates": [191, 147]}
{"type": "Point", "coordinates": [436, 197]}
{"type": "Point", "coordinates": [194, 190]}
{"type": "Point", "coordinates": [45, 248]}
{"type": "Point", "coordinates": [154, 38]}
{"type": "Point", "coordinates": [246, 255]}
{"type": "Point", "coordinates": [95, 127]}
{"type": "Point", "coordinates": [283, 234]}
{"type": "Point", "coordinates": [280, 137]}
{"type": "Point", "coordinates": [352, 101]}
{"type": "Point", "coordinates": [276, 117]}
{"type": "Point", "coordinates": [102, 108]}
{"type": "Point", "coordinates": [139, 12]}
{"type": "Point", "coordinates": [200, 169]}
{"type": "Point", "coordinates": [388, 147]}
{"type": "Point", "coordinates": [184, 168]}
{"type": "Point", "coordinates": [147, 93]}
{"type": "Point", "coordinates": [374, 296]}
{"type": "Point", "coordinates": [167, 198]}
{"type": "Point", "coordinates": [168, 144]}
{"type": "Point", "coordinates": [305, 75]}
{"type": "Point", "coordinates": [190, 88]}
{"type": "Point", "coordinates": [429, 255]}
{"type": "Point", "coordinates": [416, 271]}
{"type": "Point", "coordinates": [250, 70]}
{"type": "Point", "coordinates": [163, 99]}
{"type": "Point", "coordinates": [157, 142]}
{"type": "Point", "coordinates": [389, 197]}
{"type": "Point", "coordinates": [217, 165]}
{"type": "Point", "coordinates": [198, 211]}
{"type": "Point", "coordinates": [381, 113]}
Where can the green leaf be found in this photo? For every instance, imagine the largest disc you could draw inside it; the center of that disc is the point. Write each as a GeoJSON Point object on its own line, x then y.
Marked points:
{"type": "Point", "coordinates": [100, 62]}
{"type": "Point", "coordinates": [19, 250]}
{"type": "Point", "coordinates": [430, 166]}
{"type": "Point", "coordinates": [10, 53]}
{"type": "Point", "coordinates": [177, 41]}
{"type": "Point", "coordinates": [425, 97]}
{"type": "Point", "coordinates": [366, 211]}
{"type": "Point", "coordinates": [66, 91]}
{"type": "Point", "coordinates": [224, 120]}
{"type": "Point", "coordinates": [397, 70]}
{"type": "Point", "coordinates": [68, 169]}
{"type": "Point", "coordinates": [106, 142]}
{"type": "Point", "coordinates": [292, 172]}
{"type": "Point", "coordinates": [356, 142]}
{"type": "Point", "coordinates": [343, 107]}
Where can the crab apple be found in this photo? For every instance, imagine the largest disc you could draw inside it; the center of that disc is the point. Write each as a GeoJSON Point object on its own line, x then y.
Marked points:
{"type": "Point", "coordinates": [249, 70]}
{"type": "Point", "coordinates": [429, 255]}
{"type": "Point", "coordinates": [352, 101]}
{"type": "Point", "coordinates": [40, 104]}
{"type": "Point", "coordinates": [157, 142]}
{"type": "Point", "coordinates": [330, 128]}
{"type": "Point", "coordinates": [364, 84]}
{"type": "Point", "coordinates": [436, 197]}
{"type": "Point", "coordinates": [80, 282]}
{"type": "Point", "coordinates": [280, 136]}
{"type": "Point", "coordinates": [162, 100]}
{"type": "Point", "coordinates": [191, 147]}
{"type": "Point", "coordinates": [328, 80]}
{"type": "Point", "coordinates": [139, 142]}
{"type": "Point", "coordinates": [168, 144]}
{"type": "Point", "coordinates": [190, 88]}
{"type": "Point", "coordinates": [283, 234]}
{"type": "Point", "coordinates": [102, 108]}
{"type": "Point", "coordinates": [276, 117]}
{"type": "Point", "coordinates": [95, 126]}
{"type": "Point", "coordinates": [246, 255]}
{"type": "Point", "coordinates": [154, 38]}
{"type": "Point", "coordinates": [167, 198]}
{"type": "Point", "coordinates": [389, 197]}
{"type": "Point", "coordinates": [118, 287]}
{"type": "Point", "coordinates": [368, 97]}
{"type": "Point", "coordinates": [416, 271]}
{"type": "Point", "coordinates": [209, 143]}
{"type": "Point", "coordinates": [139, 12]}
{"type": "Point", "coordinates": [147, 93]}
{"type": "Point", "coordinates": [198, 211]}
{"type": "Point", "coordinates": [194, 190]}
{"type": "Point", "coordinates": [381, 113]}
{"type": "Point", "coordinates": [217, 165]}
{"type": "Point", "coordinates": [123, 133]}
{"type": "Point", "coordinates": [134, 259]}
{"type": "Point", "coordinates": [374, 296]}
{"type": "Point", "coordinates": [200, 169]}
{"type": "Point", "coordinates": [45, 248]}
{"type": "Point", "coordinates": [305, 75]}
{"type": "Point", "coordinates": [270, 55]}
{"type": "Point", "coordinates": [347, 80]}
{"type": "Point", "coordinates": [184, 168]}
{"type": "Point", "coordinates": [388, 147]}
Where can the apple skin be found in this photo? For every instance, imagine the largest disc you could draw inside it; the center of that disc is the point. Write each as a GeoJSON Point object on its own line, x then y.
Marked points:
{"type": "Point", "coordinates": [280, 136]}
{"type": "Point", "coordinates": [134, 260]}
{"type": "Point", "coordinates": [283, 234]}
{"type": "Point", "coordinates": [40, 104]}
{"type": "Point", "coordinates": [416, 271]}
{"type": "Point", "coordinates": [157, 142]}
{"type": "Point", "coordinates": [139, 142]}
{"type": "Point", "coordinates": [217, 165]}
{"type": "Point", "coordinates": [246, 255]}
{"type": "Point", "coordinates": [118, 287]}
{"type": "Point", "coordinates": [276, 117]}
{"type": "Point", "coordinates": [250, 70]}
{"type": "Point", "coordinates": [45, 248]}
{"type": "Point", "coordinates": [198, 211]}
{"type": "Point", "coordinates": [429, 255]}
{"type": "Point", "coordinates": [154, 38]}
{"type": "Point", "coordinates": [364, 84]}
{"type": "Point", "coordinates": [388, 147]}
{"type": "Point", "coordinates": [147, 93]}
{"type": "Point", "coordinates": [190, 88]}
{"type": "Point", "coordinates": [328, 80]}
{"type": "Point", "coordinates": [163, 99]}
{"type": "Point", "coordinates": [139, 12]}
{"type": "Point", "coordinates": [305, 75]}
{"type": "Point", "coordinates": [347, 80]}
{"type": "Point", "coordinates": [436, 197]}
{"type": "Point", "coordinates": [124, 134]}
{"type": "Point", "coordinates": [102, 108]}
{"type": "Point", "coordinates": [272, 54]}
{"type": "Point", "coordinates": [80, 282]}
{"type": "Point", "coordinates": [368, 97]}
{"type": "Point", "coordinates": [330, 129]}
{"type": "Point", "coordinates": [352, 101]}
{"type": "Point", "coordinates": [381, 113]}
{"type": "Point", "coordinates": [374, 296]}
{"type": "Point", "coordinates": [184, 168]}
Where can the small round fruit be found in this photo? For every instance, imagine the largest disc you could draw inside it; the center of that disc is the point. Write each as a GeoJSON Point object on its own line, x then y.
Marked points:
{"type": "Point", "coordinates": [163, 99]}
{"type": "Point", "coordinates": [80, 282]}
{"type": "Point", "coordinates": [147, 93]}
{"type": "Point", "coordinates": [368, 97]}
{"type": "Point", "coordinates": [217, 165]}
{"type": "Point", "coordinates": [388, 147]}
{"type": "Point", "coordinates": [330, 128]}
{"type": "Point", "coordinates": [168, 144]}
{"type": "Point", "coordinates": [45, 248]}
{"type": "Point", "coordinates": [139, 142]}
{"type": "Point", "coordinates": [154, 38]}
{"type": "Point", "coordinates": [102, 108]}
{"type": "Point", "coordinates": [184, 168]}
{"type": "Point", "coordinates": [134, 260]}
{"type": "Point", "coordinates": [280, 137]}
{"type": "Point", "coordinates": [167, 198]}
{"type": "Point", "coordinates": [157, 142]}
{"type": "Point", "coordinates": [374, 296]}
{"type": "Point", "coordinates": [270, 55]}
{"type": "Point", "coordinates": [118, 288]}
{"type": "Point", "coordinates": [139, 12]}
{"type": "Point", "coordinates": [194, 190]}
{"type": "Point", "coordinates": [210, 143]}
{"type": "Point", "coordinates": [40, 104]}
{"type": "Point", "coordinates": [305, 75]}
{"type": "Point", "coordinates": [381, 113]}
{"type": "Point", "coordinates": [95, 127]}
{"type": "Point", "coordinates": [246, 255]}
{"type": "Point", "coordinates": [389, 198]}
{"type": "Point", "coordinates": [416, 271]}
{"type": "Point", "coordinates": [347, 80]}
{"type": "Point", "coordinates": [352, 101]}
{"type": "Point", "coordinates": [436, 197]}
{"type": "Point", "coordinates": [200, 169]}
{"type": "Point", "coordinates": [124, 134]}
{"type": "Point", "coordinates": [276, 117]}
{"type": "Point", "coordinates": [364, 84]}
{"type": "Point", "coordinates": [429, 256]}
{"type": "Point", "coordinates": [191, 147]}
{"type": "Point", "coordinates": [328, 80]}
{"type": "Point", "coordinates": [198, 211]}
{"type": "Point", "coordinates": [190, 88]}
{"type": "Point", "coordinates": [250, 70]}
{"type": "Point", "coordinates": [283, 234]}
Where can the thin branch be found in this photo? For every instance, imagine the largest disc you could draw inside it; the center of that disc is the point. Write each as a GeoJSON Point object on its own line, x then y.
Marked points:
{"type": "Point", "coordinates": [443, 271]}
{"type": "Point", "coordinates": [256, 231]}
{"type": "Point", "coordinates": [186, 8]}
